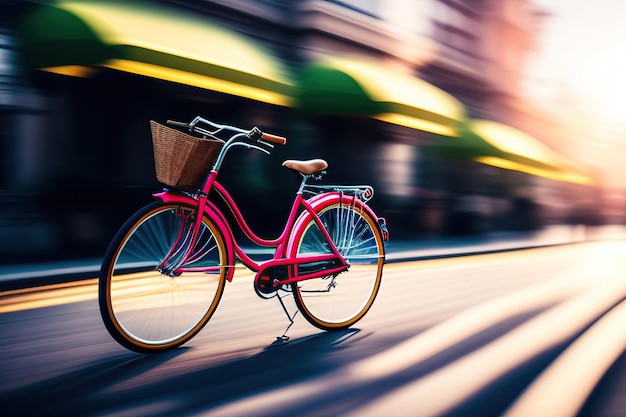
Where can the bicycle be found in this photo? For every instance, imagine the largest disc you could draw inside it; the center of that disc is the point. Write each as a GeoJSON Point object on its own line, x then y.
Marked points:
{"type": "Point", "coordinates": [164, 272]}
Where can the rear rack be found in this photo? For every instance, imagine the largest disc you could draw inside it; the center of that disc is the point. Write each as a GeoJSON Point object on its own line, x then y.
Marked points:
{"type": "Point", "coordinates": [362, 192]}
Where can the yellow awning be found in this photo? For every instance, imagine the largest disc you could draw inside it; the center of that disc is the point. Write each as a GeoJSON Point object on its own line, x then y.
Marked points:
{"type": "Point", "coordinates": [360, 85]}
{"type": "Point", "coordinates": [73, 37]}
{"type": "Point", "coordinates": [516, 150]}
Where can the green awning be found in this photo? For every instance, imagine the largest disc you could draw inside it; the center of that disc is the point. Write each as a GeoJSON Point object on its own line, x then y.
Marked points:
{"type": "Point", "coordinates": [359, 85]}
{"type": "Point", "coordinates": [497, 144]}
{"type": "Point", "coordinates": [73, 37]}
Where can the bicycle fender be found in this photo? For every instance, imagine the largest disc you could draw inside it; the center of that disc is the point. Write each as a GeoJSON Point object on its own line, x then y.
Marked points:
{"type": "Point", "coordinates": [218, 219]}
{"type": "Point", "coordinates": [320, 201]}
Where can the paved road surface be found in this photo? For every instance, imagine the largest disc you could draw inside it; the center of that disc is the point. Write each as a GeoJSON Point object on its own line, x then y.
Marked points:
{"type": "Point", "coordinates": [465, 336]}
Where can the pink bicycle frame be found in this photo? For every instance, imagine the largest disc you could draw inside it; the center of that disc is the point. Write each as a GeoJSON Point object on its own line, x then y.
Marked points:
{"type": "Point", "coordinates": [281, 257]}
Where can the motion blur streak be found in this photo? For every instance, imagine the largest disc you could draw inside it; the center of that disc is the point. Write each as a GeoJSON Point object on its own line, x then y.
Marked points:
{"type": "Point", "coordinates": [59, 294]}
{"type": "Point", "coordinates": [461, 327]}
{"type": "Point", "coordinates": [49, 295]}
{"type": "Point", "coordinates": [442, 391]}
{"type": "Point", "coordinates": [564, 305]}
{"type": "Point", "coordinates": [589, 357]}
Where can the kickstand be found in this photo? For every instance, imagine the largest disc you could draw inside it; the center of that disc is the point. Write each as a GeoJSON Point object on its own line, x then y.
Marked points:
{"type": "Point", "coordinates": [284, 338]}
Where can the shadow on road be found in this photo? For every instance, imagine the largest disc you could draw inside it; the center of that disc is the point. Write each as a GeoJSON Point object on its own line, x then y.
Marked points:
{"type": "Point", "coordinates": [108, 386]}
{"type": "Point", "coordinates": [66, 393]}
{"type": "Point", "coordinates": [162, 384]}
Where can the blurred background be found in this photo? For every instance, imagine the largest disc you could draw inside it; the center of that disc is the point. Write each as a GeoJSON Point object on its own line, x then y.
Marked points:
{"type": "Point", "coordinates": [469, 117]}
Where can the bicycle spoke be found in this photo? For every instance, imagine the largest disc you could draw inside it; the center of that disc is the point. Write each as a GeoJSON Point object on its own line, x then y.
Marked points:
{"type": "Point", "coordinates": [148, 311]}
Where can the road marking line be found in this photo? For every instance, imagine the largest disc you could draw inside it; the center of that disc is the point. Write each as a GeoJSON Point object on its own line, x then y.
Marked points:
{"type": "Point", "coordinates": [48, 295]}
{"type": "Point", "coordinates": [65, 293]}
{"type": "Point", "coordinates": [86, 290]}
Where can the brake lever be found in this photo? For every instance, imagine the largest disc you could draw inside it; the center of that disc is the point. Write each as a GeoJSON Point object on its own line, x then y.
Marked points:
{"type": "Point", "coordinates": [257, 148]}
{"type": "Point", "coordinates": [264, 143]}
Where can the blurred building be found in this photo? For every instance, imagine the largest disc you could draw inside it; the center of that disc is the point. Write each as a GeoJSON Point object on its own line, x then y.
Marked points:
{"type": "Point", "coordinates": [386, 90]}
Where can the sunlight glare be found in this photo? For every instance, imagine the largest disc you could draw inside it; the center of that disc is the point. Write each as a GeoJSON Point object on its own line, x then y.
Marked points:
{"type": "Point", "coordinates": [600, 79]}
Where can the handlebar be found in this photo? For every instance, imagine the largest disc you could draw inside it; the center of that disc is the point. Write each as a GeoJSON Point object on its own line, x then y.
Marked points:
{"type": "Point", "coordinates": [274, 138]}
{"type": "Point", "coordinates": [255, 133]}
{"type": "Point", "coordinates": [175, 123]}
{"type": "Point", "coordinates": [253, 138]}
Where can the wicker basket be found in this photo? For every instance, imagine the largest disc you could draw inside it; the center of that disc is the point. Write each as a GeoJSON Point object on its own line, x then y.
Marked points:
{"type": "Point", "coordinates": [181, 160]}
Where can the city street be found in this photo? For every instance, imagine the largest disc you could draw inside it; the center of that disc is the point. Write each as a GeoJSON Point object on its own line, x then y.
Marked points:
{"type": "Point", "coordinates": [520, 333]}
{"type": "Point", "coordinates": [477, 147]}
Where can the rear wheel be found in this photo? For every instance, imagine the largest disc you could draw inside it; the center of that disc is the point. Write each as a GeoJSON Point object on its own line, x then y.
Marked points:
{"type": "Point", "coordinates": [338, 301]}
{"type": "Point", "coordinates": [147, 310]}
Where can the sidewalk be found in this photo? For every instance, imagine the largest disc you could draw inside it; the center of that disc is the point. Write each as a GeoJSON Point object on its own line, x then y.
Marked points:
{"type": "Point", "coordinates": [500, 242]}
{"type": "Point", "coordinates": [19, 276]}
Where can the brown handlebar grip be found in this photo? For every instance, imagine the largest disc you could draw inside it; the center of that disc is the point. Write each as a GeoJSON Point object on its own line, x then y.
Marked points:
{"type": "Point", "coordinates": [175, 123]}
{"type": "Point", "coordinates": [274, 138]}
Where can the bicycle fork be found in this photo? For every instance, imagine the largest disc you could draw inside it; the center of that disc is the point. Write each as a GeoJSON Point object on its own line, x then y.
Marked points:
{"type": "Point", "coordinates": [182, 250]}
{"type": "Point", "coordinates": [182, 245]}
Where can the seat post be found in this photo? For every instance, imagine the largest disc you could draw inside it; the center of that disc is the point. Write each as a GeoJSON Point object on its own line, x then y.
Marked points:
{"type": "Point", "coordinates": [303, 183]}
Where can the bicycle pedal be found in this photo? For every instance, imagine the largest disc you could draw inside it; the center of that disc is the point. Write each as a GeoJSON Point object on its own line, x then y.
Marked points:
{"type": "Point", "coordinates": [279, 341]}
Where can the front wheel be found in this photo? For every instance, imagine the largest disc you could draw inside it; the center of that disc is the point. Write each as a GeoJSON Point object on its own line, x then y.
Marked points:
{"type": "Point", "coordinates": [147, 310]}
{"type": "Point", "coordinates": [335, 302]}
